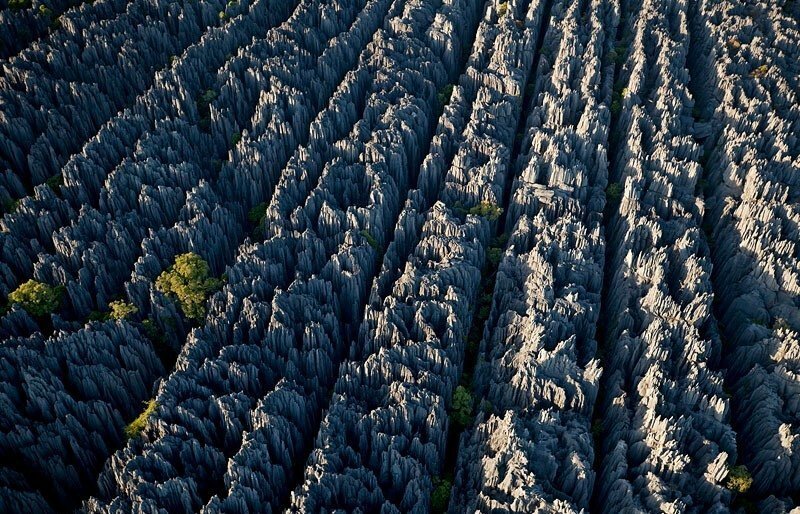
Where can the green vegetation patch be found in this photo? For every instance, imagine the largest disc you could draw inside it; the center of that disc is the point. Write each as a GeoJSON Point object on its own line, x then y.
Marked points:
{"type": "Point", "coordinates": [190, 282]}
{"type": "Point", "coordinates": [444, 95]}
{"type": "Point", "coordinates": [461, 411]}
{"type": "Point", "coordinates": [440, 497]}
{"type": "Point", "coordinates": [134, 429]}
{"type": "Point", "coordinates": [19, 4]}
{"type": "Point", "coordinates": [739, 479]}
{"type": "Point", "coordinates": [37, 298]}
{"type": "Point", "coordinates": [486, 210]}
{"type": "Point", "coordinates": [614, 192]}
{"type": "Point", "coordinates": [502, 9]}
{"type": "Point", "coordinates": [370, 239]}
{"type": "Point", "coordinates": [122, 310]}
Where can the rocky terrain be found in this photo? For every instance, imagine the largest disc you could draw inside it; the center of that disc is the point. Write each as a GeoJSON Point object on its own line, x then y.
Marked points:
{"type": "Point", "coordinates": [400, 256]}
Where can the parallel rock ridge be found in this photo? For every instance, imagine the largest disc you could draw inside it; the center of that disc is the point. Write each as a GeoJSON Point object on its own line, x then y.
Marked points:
{"type": "Point", "coordinates": [453, 256]}
{"type": "Point", "coordinates": [666, 438]}
{"type": "Point", "coordinates": [751, 62]}
{"type": "Point", "coordinates": [531, 450]}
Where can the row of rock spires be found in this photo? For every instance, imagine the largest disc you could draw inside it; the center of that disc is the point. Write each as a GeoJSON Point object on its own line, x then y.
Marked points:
{"type": "Point", "coordinates": [60, 90]}
{"type": "Point", "coordinates": [666, 441]}
{"type": "Point", "coordinates": [272, 344]}
{"type": "Point", "coordinates": [383, 439]}
{"type": "Point", "coordinates": [748, 60]}
{"type": "Point", "coordinates": [531, 450]}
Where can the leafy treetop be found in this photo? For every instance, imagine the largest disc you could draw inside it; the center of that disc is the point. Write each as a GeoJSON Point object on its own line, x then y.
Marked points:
{"type": "Point", "coordinates": [487, 210]}
{"type": "Point", "coordinates": [137, 425]}
{"type": "Point", "coordinates": [190, 282]}
{"type": "Point", "coordinates": [121, 310]}
{"type": "Point", "coordinates": [37, 298]}
{"type": "Point", "coordinates": [739, 479]}
{"type": "Point", "coordinates": [461, 411]}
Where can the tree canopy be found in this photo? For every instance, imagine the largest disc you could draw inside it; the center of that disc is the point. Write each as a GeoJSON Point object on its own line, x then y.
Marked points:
{"type": "Point", "coordinates": [189, 280]}
{"type": "Point", "coordinates": [37, 298]}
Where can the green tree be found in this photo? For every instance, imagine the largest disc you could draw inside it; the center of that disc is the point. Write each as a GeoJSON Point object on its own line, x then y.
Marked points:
{"type": "Point", "coordinates": [487, 210]}
{"type": "Point", "coordinates": [739, 479]}
{"type": "Point", "coordinates": [461, 411]}
{"type": "Point", "coordinates": [614, 192]}
{"type": "Point", "coordinates": [55, 182]}
{"type": "Point", "coordinates": [366, 234]}
{"type": "Point", "coordinates": [11, 205]}
{"type": "Point", "coordinates": [137, 425]}
{"type": "Point", "coordinates": [440, 496]}
{"type": "Point", "coordinates": [37, 298]}
{"type": "Point", "coordinates": [494, 255]}
{"type": "Point", "coordinates": [190, 282]}
{"type": "Point", "coordinates": [444, 95]}
{"type": "Point", "coordinates": [121, 310]}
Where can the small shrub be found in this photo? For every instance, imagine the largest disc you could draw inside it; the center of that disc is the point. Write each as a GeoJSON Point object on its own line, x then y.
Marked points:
{"type": "Point", "coordinates": [121, 310]}
{"type": "Point", "coordinates": [45, 11]}
{"type": "Point", "coordinates": [502, 9]}
{"type": "Point", "coordinates": [370, 239]}
{"type": "Point", "coordinates": [37, 298]}
{"type": "Point", "coordinates": [235, 138]}
{"type": "Point", "coordinates": [761, 71]}
{"type": "Point", "coordinates": [257, 213]}
{"type": "Point", "coordinates": [444, 95]}
{"type": "Point", "coordinates": [473, 341]}
{"type": "Point", "coordinates": [11, 206]}
{"type": "Point", "coordinates": [55, 182]}
{"type": "Point", "coordinates": [190, 282]}
{"type": "Point", "coordinates": [151, 331]}
{"type": "Point", "coordinates": [97, 316]}
{"type": "Point", "coordinates": [19, 4]}
{"type": "Point", "coordinates": [208, 96]}
{"type": "Point", "coordinates": [494, 255]}
{"type": "Point", "coordinates": [614, 192]}
{"type": "Point", "coordinates": [616, 107]}
{"type": "Point", "coordinates": [486, 210]}
{"type": "Point", "coordinates": [739, 479]}
{"type": "Point", "coordinates": [619, 54]}
{"type": "Point", "coordinates": [461, 411]}
{"type": "Point", "coordinates": [134, 429]}
{"type": "Point", "coordinates": [204, 104]}
{"type": "Point", "coordinates": [223, 16]}
{"type": "Point", "coordinates": [597, 429]}
{"type": "Point", "coordinates": [440, 496]}
{"type": "Point", "coordinates": [500, 241]}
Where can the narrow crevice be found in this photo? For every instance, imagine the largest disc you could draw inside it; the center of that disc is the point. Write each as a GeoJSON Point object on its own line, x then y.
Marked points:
{"type": "Point", "coordinates": [613, 198]}
{"type": "Point", "coordinates": [483, 301]}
